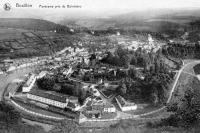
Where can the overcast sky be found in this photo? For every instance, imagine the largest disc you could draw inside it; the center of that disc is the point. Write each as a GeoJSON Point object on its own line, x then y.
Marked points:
{"type": "Point", "coordinates": [119, 4]}
{"type": "Point", "coordinates": [105, 7]}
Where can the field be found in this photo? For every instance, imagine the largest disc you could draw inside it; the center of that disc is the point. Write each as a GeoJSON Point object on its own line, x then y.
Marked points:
{"type": "Point", "coordinates": [22, 38]}
{"type": "Point", "coordinates": [17, 43]}
{"type": "Point", "coordinates": [10, 33]}
{"type": "Point", "coordinates": [26, 23]}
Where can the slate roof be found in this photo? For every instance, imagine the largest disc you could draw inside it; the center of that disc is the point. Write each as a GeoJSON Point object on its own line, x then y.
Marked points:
{"type": "Point", "coordinates": [123, 102]}
{"type": "Point", "coordinates": [29, 80]}
{"type": "Point", "coordinates": [52, 95]}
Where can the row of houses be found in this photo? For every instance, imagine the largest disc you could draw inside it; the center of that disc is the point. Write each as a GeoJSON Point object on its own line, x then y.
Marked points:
{"type": "Point", "coordinates": [53, 99]}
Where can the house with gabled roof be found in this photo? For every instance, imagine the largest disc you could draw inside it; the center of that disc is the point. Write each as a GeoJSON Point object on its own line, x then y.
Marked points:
{"type": "Point", "coordinates": [124, 105]}
{"type": "Point", "coordinates": [29, 83]}
{"type": "Point", "coordinates": [99, 107]}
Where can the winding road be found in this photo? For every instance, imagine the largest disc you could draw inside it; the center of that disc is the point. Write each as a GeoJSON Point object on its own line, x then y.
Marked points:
{"type": "Point", "coordinates": [173, 87]}
{"type": "Point", "coordinates": [16, 74]}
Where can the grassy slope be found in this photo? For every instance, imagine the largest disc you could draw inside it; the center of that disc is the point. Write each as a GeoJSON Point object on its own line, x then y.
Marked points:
{"type": "Point", "coordinates": [137, 127]}
{"type": "Point", "coordinates": [12, 29]}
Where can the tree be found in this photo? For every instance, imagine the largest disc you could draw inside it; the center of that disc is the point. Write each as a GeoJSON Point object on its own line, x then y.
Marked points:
{"type": "Point", "coordinates": [156, 85]}
{"type": "Point", "coordinates": [46, 83]}
{"type": "Point", "coordinates": [10, 115]}
{"type": "Point", "coordinates": [11, 121]}
{"type": "Point", "coordinates": [121, 89]}
{"type": "Point", "coordinates": [82, 96]}
{"type": "Point", "coordinates": [57, 87]}
{"type": "Point", "coordinates": [133, 60]}
{"type": "Point", "coordinates": [185, 114]}
{"type": "Point", "coordinates": [172, 107]}
{"type": "Point", "coordinates": [132, 73]}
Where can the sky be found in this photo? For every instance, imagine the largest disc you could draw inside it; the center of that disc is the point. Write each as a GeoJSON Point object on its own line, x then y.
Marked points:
{"type": "Point", "coordinates": [103, 7]}
{"type": "Point", "coordinates": [118, 4]}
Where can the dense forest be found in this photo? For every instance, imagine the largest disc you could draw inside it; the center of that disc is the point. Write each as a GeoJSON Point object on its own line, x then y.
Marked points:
{"type": "Point", "coordinates": [182, 51]}
{"type": "Point", "coordinates": [154, 86]}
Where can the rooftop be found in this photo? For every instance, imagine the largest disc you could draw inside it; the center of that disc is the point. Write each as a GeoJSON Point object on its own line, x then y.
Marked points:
{"type": "Point", "coordinates": [12, 87]}
{"type": "Point", "coordinates": [53, 95]}
{"type": "Point", "coordinates": [123, 102]}
{"type": "Point", "coordinates": [29, 80]}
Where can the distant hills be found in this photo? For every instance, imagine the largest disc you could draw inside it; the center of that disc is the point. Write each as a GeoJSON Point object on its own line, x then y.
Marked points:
{"type": "Point", "coordinates": [160, 21]}
{"type": "Point", "coordinates": [152, 21]}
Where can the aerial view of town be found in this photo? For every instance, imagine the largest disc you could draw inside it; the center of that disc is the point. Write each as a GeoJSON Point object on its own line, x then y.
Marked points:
{"type": "Point", "coordinates": [128, 73]}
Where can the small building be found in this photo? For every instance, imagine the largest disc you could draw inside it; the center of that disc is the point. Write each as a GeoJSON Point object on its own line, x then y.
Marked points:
{"type": "Point", "coordinates": [1, 72]}
{"type": "Point", "coordinates": [12, 88]}
{"type": "Point", "coordinates": [98, 108]}
{"type": "Point", "coordinates": [124, 105]}
{"type": "Point", "coordinates": [72, 30]}
{"type": "Point", "coordinates": [29, 83]}
{"type": "Point", "coordinates": [110, 108]}
{"type": "Point", "coordinates": [41, 74]}
{"type": "Point", "coordinates": [94, 91]}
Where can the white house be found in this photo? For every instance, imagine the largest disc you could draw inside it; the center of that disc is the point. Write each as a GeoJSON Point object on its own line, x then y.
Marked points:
{"type": "Point", "coordinates": [94, 91]}
{"type": "Point", "coordinates": [103, 106]}
{"type": "Point", "coordinates": [125, 106]}
{"type": "Point", "coordinates": [1, 72]}
{"type": "Point", "coordinates": [41, 74]}
{"type": "Point", "coordinates": [70, 71]}
{"type": "Point", "coordinates": [11, 68]}
{"type": "Point", "coordinates": [72, 30]}
{"type": "Point", "coordinates": [198, 76]}
{"type": "Point", "coordinates": [29, 83]}
{"type": "Point", "coordinates": [109, 108]}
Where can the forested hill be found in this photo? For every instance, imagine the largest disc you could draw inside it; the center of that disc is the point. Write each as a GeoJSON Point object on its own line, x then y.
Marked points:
{"type": "Point", "coordinates": [31, 24]}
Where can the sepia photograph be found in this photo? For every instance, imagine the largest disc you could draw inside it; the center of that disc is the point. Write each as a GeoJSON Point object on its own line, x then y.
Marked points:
{"type": "Point", "coordinates": [99, 66]}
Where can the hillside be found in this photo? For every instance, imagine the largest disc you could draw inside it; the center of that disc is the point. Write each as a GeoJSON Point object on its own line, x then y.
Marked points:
{"type": "Point", "coordinates": [25, 37]}
{"type": "Point", "coordinates": [30, 24]}
{"type": "Point", "coordinates": [164, 21]}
